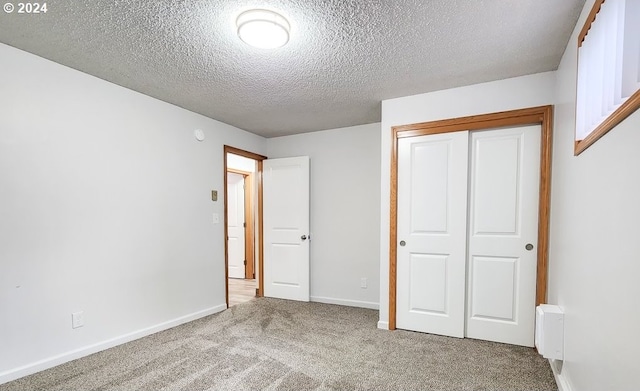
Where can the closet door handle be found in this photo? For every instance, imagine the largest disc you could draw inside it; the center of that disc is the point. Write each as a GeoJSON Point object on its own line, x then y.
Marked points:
{"type": "Point", "coordinates": [529, 247]}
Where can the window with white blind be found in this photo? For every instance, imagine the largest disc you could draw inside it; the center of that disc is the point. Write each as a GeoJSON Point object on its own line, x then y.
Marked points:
{"type": "Point", "coordinates": [608, 69]}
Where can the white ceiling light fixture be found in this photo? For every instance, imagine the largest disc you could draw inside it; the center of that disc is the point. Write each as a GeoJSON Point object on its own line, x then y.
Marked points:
{"type": "Point", "coordinates": [263, 29]}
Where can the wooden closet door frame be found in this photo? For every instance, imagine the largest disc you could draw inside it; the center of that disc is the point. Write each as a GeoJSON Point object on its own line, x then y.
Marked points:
{"type": "Point", "coordinates": [543, 116]}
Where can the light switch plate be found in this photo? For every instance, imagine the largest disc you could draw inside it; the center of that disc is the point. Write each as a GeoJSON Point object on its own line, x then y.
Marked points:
{"type": "Point", "coordinates": [214, 195]}
{"type": "Point", "coordinates": [216, 218]}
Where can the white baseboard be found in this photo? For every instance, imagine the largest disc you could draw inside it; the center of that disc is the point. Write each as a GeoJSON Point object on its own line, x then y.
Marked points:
{"type": "Point", "coordinates": [383, 325]}
{"type": "Point", "coordinates": [348, 303]}
{"type": "Point", "coordinates": [561, 381]}
{"type": "Point", "coordinates": [51, 362]}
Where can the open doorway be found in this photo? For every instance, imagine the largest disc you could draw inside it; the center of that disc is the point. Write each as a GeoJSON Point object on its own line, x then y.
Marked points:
{"type": "Point", "coordinates": [243, 225]}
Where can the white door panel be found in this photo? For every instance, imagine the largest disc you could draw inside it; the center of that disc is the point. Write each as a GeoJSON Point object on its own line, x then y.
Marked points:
{"type": "Point", "coordinates": [286, 228]}
{"type": "Point", "coordinates": [495, 177]}
{"type": "Point", "coordinates": [235, 225]}
{"type": "Point", "coordinates": [494, 288]}
{"type": "Point", "coordinates": [503, 202]}
{"type": "Point", "coordinates": [428, 283]}
{"type": "Point", "coordinates": [432, 184]}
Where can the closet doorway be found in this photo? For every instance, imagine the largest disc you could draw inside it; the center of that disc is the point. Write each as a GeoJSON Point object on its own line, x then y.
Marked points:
{"type": "Point", "coordinates": [469, 222]}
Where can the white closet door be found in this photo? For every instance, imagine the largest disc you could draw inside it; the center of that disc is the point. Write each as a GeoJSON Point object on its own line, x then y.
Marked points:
{"type": "Point", "coordinates": [431, 248]}
{"type": "Point", "coordinates": [503, 234]}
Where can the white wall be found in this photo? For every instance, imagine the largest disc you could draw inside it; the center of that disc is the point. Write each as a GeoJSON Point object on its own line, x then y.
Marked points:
{"type": "Point", "coordinates": [345, 188]}
{"type": "Point", "coordinates": [594, 260]}
{"type": "Point", "coordinates": [104, 208]}
{"type": "Point", "coordinates": [237, 162]}
{"type": "Point", "coordinates": [509, 94]}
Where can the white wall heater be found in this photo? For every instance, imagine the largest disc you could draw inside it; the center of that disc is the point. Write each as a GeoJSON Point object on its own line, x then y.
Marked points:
{"type": "Point", "coordinates": [550, 331]}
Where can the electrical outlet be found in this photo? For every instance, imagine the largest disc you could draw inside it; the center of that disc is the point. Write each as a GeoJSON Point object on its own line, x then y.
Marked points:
{"type": "Point", "coordinates": [216, 218]}
{"type": "Point", "coordinates": [363, 283]}
{"type": "Point", "coordinates": [77, 319]}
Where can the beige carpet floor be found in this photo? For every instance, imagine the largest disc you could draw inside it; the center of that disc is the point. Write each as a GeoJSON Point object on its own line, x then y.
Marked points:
{"type": "Point", "coordinates": [269, 344]}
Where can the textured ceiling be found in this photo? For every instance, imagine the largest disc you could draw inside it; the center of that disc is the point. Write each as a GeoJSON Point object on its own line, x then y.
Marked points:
{"type": "Point", "coordinates": [343, 58]}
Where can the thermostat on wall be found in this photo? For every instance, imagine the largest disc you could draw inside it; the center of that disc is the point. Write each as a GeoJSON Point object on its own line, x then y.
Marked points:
{"type": "Point", "coordinates": [199, 134]}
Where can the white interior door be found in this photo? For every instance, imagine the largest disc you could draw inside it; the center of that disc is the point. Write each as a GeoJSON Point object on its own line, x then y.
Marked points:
{"type": "Point", "coordinates": [503, 234]}
{"type": "Point", "coordinates": [431, 249]}
{"type": "Point", "coordinates": [286, 228]}
{"type": "Point", "coordinates": [235, 225]}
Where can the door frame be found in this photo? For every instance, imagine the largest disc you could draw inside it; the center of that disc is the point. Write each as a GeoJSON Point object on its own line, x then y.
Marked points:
{"type": "Point", "coordinates": [258, 158]}
{"type": "Point", "coordinates": [543, 116]}
{"type": "Point", "coordinates": [249, 221]}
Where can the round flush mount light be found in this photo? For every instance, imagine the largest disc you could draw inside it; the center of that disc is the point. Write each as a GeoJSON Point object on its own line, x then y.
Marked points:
{"type": "Point", "coordinates": [263, 29]}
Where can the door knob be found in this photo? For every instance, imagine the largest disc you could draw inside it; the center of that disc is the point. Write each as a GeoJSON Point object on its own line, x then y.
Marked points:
{"type": "Point", "coordinates": [403, 243]}
{"type": "Point", "coordinates": [303, 237]}
{"type": "Point", "coordinates": [529, 246]}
